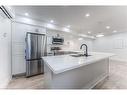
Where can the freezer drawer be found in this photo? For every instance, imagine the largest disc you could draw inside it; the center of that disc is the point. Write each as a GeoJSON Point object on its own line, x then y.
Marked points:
{"type": "Point", "coordinates": [34, 67]}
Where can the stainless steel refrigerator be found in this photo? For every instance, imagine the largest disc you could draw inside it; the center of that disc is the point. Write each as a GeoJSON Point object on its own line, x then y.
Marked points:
{"type": "Point", "coordinates": [35, 49]}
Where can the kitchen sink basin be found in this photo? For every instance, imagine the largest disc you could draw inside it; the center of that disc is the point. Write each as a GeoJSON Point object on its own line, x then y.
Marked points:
{"type": "Point", "coordinates": [79, 55]}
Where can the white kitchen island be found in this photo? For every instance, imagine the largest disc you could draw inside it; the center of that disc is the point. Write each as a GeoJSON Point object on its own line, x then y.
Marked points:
{"type": "Point", "coordinates": [67, 72]}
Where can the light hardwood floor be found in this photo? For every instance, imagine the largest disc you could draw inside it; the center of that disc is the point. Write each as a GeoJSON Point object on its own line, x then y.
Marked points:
{"type": "Point", "coordinates": [117, 79]}
{"type": "Point", "coordinates": [35, 82]}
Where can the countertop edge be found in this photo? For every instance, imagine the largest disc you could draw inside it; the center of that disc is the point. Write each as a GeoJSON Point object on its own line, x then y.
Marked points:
{"type": "Point", "coordinates": [74, 67]}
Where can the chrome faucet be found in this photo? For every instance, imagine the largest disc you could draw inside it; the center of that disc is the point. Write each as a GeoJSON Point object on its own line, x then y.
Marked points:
{"type": "Point", "coordinates": [85, 52]}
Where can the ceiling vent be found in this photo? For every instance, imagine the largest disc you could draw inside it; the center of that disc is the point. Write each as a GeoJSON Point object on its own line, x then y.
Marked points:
{"type": "Point", "coordinates": [6, 12]}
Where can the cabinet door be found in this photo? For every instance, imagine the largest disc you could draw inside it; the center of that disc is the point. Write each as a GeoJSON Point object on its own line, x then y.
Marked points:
{"type": "Point", "coordinates": [49, 43]}
{"type": "Point", "coordinates": [49, 40]}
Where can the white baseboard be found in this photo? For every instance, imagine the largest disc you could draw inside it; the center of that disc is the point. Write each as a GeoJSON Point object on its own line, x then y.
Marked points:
{"type": "Point", "coordinates": [120, 60]}
{"type": "Point", "coordinates": [4, 83]}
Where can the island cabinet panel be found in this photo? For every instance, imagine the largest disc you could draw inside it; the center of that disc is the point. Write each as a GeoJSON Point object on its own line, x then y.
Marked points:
{"type": "Point", "coordinates": [85, 77]}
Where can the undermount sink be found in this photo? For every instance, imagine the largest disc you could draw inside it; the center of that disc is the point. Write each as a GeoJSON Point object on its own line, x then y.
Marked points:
{"type": "Point", "coordinates": [79, 55]}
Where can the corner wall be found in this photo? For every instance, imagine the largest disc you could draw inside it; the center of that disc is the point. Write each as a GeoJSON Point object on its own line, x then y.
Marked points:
{"type": "Point", "coordinates": [116, 43]}
{"type": "Point", "coordinates": [5, 51]}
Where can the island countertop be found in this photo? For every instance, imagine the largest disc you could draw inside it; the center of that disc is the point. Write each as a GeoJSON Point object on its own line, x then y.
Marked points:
{"type": "Point", "coordinates": [62, 63]}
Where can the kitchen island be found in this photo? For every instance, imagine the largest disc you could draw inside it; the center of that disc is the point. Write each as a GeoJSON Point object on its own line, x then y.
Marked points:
{"type": "Point", "coordinates": [69, 72]}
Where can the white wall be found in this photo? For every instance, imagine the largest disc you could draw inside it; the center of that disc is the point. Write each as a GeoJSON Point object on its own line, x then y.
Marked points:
{"type": "Point", "coordinates": [116, 44]}
{"type": "Point", "coordinates": [5, 51]}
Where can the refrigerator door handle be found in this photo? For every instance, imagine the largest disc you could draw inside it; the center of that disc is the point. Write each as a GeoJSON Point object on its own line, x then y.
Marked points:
{"type": "Point", "coordinates": [44, 45]}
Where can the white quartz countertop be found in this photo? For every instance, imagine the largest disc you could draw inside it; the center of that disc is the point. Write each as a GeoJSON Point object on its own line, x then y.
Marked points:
{"type": "Point", "coordinates": [62, 63]}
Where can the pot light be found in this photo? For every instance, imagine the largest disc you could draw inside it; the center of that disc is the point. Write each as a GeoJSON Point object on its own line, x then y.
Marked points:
{"type": "Point", "coordinates": [51, 21]}
{"type": "Point", "coordinates": [80, 39]}
{"type": "Point", "coordinates": [99, 35]}
{"type": "Point", "coordinates": [66, 29]}
{"type": "Point", "coordinates": [51, 26]}
{"type": "Point", "coordinates": [107, 27]}
{"type": "Point", "coordinates": [87, 15]}
{"type": "Point", "coordinates": [83, 35]}
{"type": "Point", "coordinates": [26, 14]}
{"type": "Point", "coordinates": [68, 26]}
{"type": "Point", "coordinates": [114, 31]}
{"type": "Point", "coordinates": [89, 32]}
{"type": "Point", "coordinates": [92, 37]}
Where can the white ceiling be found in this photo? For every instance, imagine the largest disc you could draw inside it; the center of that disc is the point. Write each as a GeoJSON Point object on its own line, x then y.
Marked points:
{"type": "Point", "coordinates": [100, 17]}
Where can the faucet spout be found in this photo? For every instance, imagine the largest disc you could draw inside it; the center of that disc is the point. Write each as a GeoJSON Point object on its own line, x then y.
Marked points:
{"type": "Point", "coordinates": [85, 52]}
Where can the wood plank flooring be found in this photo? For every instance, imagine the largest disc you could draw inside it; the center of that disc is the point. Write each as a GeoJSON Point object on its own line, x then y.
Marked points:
{"type": "Point", "coordinates": [35, 82]}
{"type": "Point", "coordinates": [117, 79]}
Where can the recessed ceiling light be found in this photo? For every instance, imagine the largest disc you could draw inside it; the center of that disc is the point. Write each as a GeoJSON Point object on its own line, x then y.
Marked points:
{"type": "Point", "coordinates": [80, 39]}
{"type": "Point", "coordinates": [51, 21]}
{"type": "Point", "coordinates": [51, 26]}
{"type": "Point", "coordinates": [68, 26]}
{"type": "Point", "coordinates": [89, 32]}
{"type": "Point", "coordinates": [87, 15]}
{"type": "Point", "coordinates": [99, 35]}
{"type": "Point", "coordinates": [26, 14]}
{"type": "Point", "coordinates": [93, 37]}
{"type": "Point", "coordinates": [66, 29]}
{"type": "Point", "coordinates": [83, 35]}
{"type": "Point", "coordinates": [114, 31]}
{"type": "Point", "coordinates": [107, 27]}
